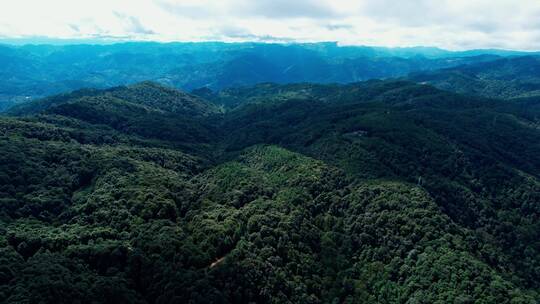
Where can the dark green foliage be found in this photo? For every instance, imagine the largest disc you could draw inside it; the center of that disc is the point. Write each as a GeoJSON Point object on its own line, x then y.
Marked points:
{"type": "Point", "coordinates": [374, 192]}
{"type": "Point", "coordinates": [146, 109]}
{"type": "Point", "coordinates": [145, 94]}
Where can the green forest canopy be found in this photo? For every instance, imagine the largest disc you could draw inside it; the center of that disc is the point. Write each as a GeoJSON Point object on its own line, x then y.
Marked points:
{"type": "Point", "coordinates": [375, 192]}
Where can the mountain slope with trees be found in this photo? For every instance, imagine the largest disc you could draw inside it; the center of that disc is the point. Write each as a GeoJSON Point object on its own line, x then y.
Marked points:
{"type": "Point", "coordinates": [373, 192]}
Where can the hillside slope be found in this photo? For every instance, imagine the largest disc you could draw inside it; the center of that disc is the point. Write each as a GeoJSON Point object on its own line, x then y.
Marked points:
{"type": "Point", "coordinates": [374, 192]}
{"type": "Point", "coordinates": [147, 94]}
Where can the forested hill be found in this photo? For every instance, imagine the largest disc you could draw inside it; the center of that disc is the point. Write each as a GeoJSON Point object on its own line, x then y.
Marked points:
{"type": "Point", "coordinates": [504, 78]}
{"type": "Point", "coordinates": [373, 192]}
{"type": "Point", "coordinates": [147, 94]}
{"type": "Point", "coordinates": [145, 109]}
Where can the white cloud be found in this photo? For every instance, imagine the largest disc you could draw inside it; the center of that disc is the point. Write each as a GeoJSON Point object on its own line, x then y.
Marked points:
{"type": "Point", "coordinates": [453, 24]}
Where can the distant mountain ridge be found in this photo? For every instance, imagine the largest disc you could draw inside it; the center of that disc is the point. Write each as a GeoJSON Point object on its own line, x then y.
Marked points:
{"type": "Point", "coordinates": [36, 71]}
{"type": "Point", "coordinates": [512, 77]}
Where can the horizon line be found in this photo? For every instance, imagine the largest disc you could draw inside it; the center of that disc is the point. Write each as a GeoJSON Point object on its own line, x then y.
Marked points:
{"type": "Point", "coordinates": [55, 41]}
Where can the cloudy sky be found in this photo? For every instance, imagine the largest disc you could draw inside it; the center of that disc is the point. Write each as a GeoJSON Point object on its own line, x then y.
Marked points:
{"type": "Point", "coordinates": [450, 24]}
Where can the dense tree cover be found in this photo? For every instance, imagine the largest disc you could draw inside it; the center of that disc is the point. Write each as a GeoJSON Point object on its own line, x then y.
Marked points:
{"type": "Point", "coordinates": [375, 192]}
{"type": "Point", "coordinates": [180, 119]}
{"type": "Point", "coordinates": [146, 94]}
{"type": "Point", "coordinates": [480, 165]}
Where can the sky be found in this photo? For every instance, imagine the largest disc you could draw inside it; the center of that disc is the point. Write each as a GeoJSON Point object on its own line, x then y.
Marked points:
{"type": "Point", "coordinates": [449, 24]}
